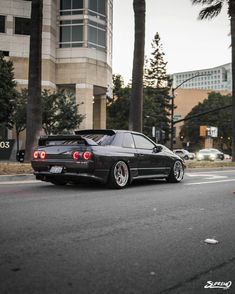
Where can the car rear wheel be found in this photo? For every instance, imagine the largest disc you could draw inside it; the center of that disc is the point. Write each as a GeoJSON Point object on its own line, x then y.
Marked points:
{"type": "Point", "coordinates": [119, 175]}
{"type": "Point", "coordinates": [177, 173]}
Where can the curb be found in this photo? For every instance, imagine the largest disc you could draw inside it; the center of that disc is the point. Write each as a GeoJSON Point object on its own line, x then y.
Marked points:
{"type": "Point", "coordinates": [19, 177]}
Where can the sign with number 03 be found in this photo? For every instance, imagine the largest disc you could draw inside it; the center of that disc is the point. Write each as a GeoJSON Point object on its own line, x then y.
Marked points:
{"type": "Point", "coordinates": [4, 144]}
{"type": "Point", "coordinates": [6, 147]}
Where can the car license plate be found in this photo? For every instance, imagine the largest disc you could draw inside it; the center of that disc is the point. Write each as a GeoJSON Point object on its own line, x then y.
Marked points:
{"type": "Point", "coordinates": [56, 169]}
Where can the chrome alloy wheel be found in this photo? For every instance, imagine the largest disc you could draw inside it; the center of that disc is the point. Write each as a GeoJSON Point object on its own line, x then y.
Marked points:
{"type": "Point", "coordinates": [121, 173]}
{"type": "Point", "coordinates": [178, 171]}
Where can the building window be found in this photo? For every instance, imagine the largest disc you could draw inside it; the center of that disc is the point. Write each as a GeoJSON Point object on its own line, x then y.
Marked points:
{"type": "Point", "coordinates": [2, 23]}
{"type": "Point", "coordinates": [71, 33]}
{"type": "Point", "coordinates": [98, 8]}
{"type": "Point", "coordinates": [4, 53]}
{"type": "Point", "coordinates": [22, 26]}
{"type": "Point", "coordinates": [97, 35]}
{"type": "Point", "coordinates": [71, 7]}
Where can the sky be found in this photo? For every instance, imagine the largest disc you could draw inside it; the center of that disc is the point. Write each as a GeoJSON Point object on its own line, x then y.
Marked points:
{"type": "Point", "coordinates": [188, 43]}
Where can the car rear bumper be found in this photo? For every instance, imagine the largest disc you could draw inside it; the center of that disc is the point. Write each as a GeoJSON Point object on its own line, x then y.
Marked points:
{"type": "Point", "coordinates": [73, 177]}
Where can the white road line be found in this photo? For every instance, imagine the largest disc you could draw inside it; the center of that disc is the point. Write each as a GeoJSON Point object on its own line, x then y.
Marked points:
{"type": "Point", "coordinates": [210, 182]}
{"type": "Point", "coordinates": [207, 176]}
{"type": "Point", "coordinates": [211, 172]}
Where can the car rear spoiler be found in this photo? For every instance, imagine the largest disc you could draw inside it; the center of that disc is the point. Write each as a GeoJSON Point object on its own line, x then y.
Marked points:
{"type": "Point", "coordinates": [95, 131]}
{"type": "Point", "coordinates": [44, 141]}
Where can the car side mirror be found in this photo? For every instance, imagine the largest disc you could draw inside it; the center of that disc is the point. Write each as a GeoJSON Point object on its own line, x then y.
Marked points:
{"type": "Point", "coordinates": [157, 149]}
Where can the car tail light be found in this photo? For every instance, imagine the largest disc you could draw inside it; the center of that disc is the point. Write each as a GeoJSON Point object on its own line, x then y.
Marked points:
{"type": "Point", "coordinates": [75, 155]}
{"type": "Point", "coordinates": [86, 155]}
{"type": "Point", "coordinates": [42, 154]}
{"type": "Point", "coordinates": [35, 154]}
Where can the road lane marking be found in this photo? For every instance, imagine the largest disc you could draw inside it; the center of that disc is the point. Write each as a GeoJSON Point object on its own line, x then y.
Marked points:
{"type": "Point", "coordinates": [210, 182]}
{"type": "Point", "coordinates": [207, 176]}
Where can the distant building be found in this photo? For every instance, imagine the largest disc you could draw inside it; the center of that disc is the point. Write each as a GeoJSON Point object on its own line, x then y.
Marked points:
{"type": "Point", "coordinates": [185, 100]}
{"type": "Point", "coordinates": [76, 49]}
{"type": "Point", "coordinates": [217, 78]}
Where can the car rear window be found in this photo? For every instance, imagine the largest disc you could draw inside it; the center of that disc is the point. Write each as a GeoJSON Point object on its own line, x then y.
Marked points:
{"type": "Point", "coordinates": [100, 139]}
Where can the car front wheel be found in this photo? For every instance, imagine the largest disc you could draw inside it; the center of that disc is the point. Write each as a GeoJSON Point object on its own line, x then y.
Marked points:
{"type": "Point", "coordinates": [177, 173]}
{"type": "Point", "coordinates": [119, 175]}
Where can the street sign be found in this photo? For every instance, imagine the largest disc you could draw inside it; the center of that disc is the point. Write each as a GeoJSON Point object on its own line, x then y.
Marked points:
{"type": "Point", "coordinates": [212, 132]}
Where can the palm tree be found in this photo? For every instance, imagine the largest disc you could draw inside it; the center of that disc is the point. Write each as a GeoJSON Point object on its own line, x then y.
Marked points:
{"type": "Point", "coordinates": [212, 9]}
{"type": "Point", "coordinates": [34, 109]}
{"type": "Point", "coordinates": [136, 105]}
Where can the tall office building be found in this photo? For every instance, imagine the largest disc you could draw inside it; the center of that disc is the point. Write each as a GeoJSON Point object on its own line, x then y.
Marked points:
{"type": "Point", "coordinates": [76, 49]}
{"type": "Point", "coordinates": [215, 79]}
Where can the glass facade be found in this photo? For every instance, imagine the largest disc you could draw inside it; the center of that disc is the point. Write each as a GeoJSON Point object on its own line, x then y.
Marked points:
{"type": "Point", "coordinates": [71, 33]}
{"type": "Point", "coordinates": [71, 7]}
{"type": "Point", "coordinates": [97, 8]}
{"type": "Point", "coordinates": [83, 24]}
{"type": "Point", "coordinates": [96, 35]}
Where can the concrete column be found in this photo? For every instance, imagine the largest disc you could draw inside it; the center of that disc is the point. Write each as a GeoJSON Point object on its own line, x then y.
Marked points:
{"type": "Point", "coordinates": [99, 112]}
{"type": "Point", "coordinates": [84, 97]}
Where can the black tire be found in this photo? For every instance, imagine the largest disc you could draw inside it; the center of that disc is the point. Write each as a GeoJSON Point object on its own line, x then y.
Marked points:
{"type": "Point", "coordinates": [186, 157]}
{"type": "Point", "coordinates": [58, 182]}
{"type": "Point", "coordinates": [119, 175]}
{"type": "Point", "coordinates": [176, 173]}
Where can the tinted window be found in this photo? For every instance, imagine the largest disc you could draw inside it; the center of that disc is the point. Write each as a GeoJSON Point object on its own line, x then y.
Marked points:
{"type": "Point", "coordinates": [128, 141]}
{"type": "Point", "coordinates": [2, 24]}
{"type": "Point", "coordinates": [142, 142]}
{"type": "Point", "coordinates": [22, 26]}
{"type": "Point", "coordinates": [100, 139]}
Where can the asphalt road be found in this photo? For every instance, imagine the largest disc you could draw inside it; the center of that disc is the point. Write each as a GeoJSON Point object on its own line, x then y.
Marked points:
{"type": "Point", "coordinates": [148, 238]}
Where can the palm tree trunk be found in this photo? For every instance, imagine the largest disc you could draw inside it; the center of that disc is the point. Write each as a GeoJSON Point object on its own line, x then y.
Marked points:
{"type": "Point", "coordinates": [34, 111]}
{"type": "Point", "coordinates": [232, 20]}
{"type": "Point", "coordinates": [136, 105]}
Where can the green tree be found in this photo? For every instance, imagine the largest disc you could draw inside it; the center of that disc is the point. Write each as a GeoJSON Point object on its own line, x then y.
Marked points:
{"type": "Point", "coordinates": [59, 112]}
{"type": "Point", "coordinates": [8, 91]}
{"type": "Point", "coordinates": [118, 107]}
{"type": "Point", "coordinates": [156, 92]}
{"type": "Point", "coordinates": [136, 106]}
{"type": "Point", "coordinates": [34, 107]}
{"type": "Point", "coordinates": [212, 9]}
{"type": "Point", "coordinates": [221, 118]}
{"type": "Point", "coordinates": [155, 71]}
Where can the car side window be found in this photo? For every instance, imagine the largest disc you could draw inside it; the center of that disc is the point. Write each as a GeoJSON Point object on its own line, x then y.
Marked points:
{"type": "Point", "coordinates": [128, 141]}
{"type": "Point", "coordinates": [142, 143]}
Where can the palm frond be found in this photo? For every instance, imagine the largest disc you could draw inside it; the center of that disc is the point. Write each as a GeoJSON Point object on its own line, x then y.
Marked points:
{"type": "Point", "coordinates": [211, 11]}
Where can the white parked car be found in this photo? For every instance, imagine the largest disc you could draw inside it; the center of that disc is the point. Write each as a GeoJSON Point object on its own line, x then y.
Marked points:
{"type": "Point", "coordinates": [184, 154]}
{"type": "Point", "coordinates": [210, 154]}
